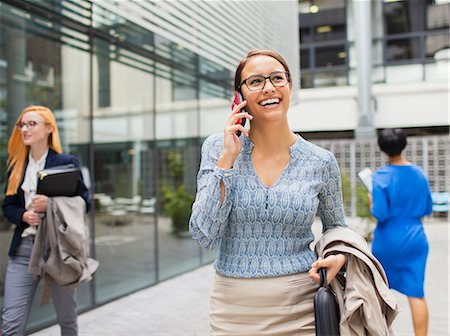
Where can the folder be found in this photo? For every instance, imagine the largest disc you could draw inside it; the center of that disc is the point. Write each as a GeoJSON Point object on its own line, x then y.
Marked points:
{"type": "Point", "coordinates": [365, 176]}
{"type": "Point", "coordinates": [58, 181]}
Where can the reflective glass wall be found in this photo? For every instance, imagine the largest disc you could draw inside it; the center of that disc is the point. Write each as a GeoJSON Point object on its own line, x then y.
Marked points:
{"type": "Point", "coordinates": [133, 107]}
{"type": "Point", "coordinates": [43, 63]}
{"type": "Point", "coordinates": [410, 41]}
{"type": "Point", "coordinates": [323, 43]}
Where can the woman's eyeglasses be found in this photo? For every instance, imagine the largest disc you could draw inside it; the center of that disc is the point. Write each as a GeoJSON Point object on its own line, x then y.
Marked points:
{"type": "Point", "coordinates": [257, 82]}
{"type": "Point", "coordinates": [30, 124]}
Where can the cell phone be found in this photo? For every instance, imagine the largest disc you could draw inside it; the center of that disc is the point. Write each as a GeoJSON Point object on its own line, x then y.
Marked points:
{"type": "Point", "coordinates": [237, 100]}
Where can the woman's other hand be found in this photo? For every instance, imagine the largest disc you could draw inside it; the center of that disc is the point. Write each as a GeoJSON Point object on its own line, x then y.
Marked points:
{"type": "Point", "coordinates": [31, 217]}
{"type": "Point", "coordinates": [369, 197]}
{"type": "Point", "coordinates": [39, 203]}
{"type": "Point", "coordinates": [333, 263]}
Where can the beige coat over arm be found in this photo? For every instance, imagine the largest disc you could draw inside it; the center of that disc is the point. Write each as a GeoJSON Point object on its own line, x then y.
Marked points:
{"type": "Point", "coordinates": [367, 305]}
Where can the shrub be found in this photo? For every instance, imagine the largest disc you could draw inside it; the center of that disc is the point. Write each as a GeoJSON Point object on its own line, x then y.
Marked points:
{"type": "Point", "coordinates": [178, 205]}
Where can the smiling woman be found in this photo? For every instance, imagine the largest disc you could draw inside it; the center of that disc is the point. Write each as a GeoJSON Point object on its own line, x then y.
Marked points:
{"type": "Point", "coordinates": [34, 145]}
{"type": "Point", "coordinates": [257, 197]}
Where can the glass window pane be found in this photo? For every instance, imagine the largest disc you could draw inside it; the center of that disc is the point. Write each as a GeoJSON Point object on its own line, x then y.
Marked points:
{"type": "Point", "coordinates": [330, 56]}
{"type": "Point", "coordinates": [305, 35]}
{"type": "Point", "coordinates": [438, 16]}
{"type": "Point", "coordinates": [108, 17]}
{"type": "Point", "coordinates": [308, 6]}
{"type": "Point", "coordinates": [403, 49]}
{"type": "Point", "coordinates": [76, 10]}
{"type": "Point", "coordinates": [215, 108]}
{"type": "Point", "coordinates": [215, 99]}
{"type": "Point", "coordinates": [307, 80]}
{"type": "Point", "coordinates": [330, 25]}
{"type": "Point", "coordinates": [125, 195]}
{"type": "Point", "coordinates": [325, 25]}
{"type": "Point", "coordinates": [37, 60]}
{"type": "Point", "coordinates": [178, 154]}
{"type": "Point", "coordinates": [404, 17]}
{"type": "Point", "coordinates": [437, 46]}
{"type": "Point", "coordinates": [304, 58]}
{"type": "Point", "coordinates": [322, 23]}
{"type": "Point", "coordinates": [330, 78]}
{"type": "Point", "coordinates": [177, 168]}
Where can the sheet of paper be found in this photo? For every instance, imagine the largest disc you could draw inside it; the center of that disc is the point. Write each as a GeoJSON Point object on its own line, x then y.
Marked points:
{"type": "Point", "coordinates": [365, 176]}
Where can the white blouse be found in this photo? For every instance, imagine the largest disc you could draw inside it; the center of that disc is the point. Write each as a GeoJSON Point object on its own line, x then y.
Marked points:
{"type": "Point", "coordinates": [29, 186]}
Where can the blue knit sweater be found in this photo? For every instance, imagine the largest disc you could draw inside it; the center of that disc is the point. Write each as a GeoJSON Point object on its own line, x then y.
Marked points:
{"type": "Point", "coordinates": [261, 231]}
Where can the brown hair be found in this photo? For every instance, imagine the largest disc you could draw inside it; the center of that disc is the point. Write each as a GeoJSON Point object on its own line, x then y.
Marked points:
{"type": "Point", "coordinates": [18, 151]}
{"type": "Point", "coordinates": [258, 52]}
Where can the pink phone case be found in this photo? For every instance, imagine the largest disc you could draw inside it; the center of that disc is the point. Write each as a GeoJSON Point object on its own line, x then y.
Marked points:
{"type": "Point", "coordinates": [237, 100]}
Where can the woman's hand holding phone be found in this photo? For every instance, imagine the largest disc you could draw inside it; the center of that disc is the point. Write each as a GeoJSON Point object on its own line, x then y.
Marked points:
{"type": "Point", "coordinates": [238, 99]}
{"type": "Point", "coordinates": [232, 143]}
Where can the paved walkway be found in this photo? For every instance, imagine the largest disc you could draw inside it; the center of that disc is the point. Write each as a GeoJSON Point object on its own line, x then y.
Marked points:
{"type": "Point", "coordinates": [179, 306]}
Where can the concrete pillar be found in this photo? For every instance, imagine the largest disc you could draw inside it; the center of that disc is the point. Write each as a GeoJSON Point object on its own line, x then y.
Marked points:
{"type": "Point", "coordinates": [16, 77]}
{"type": "Point", "coordinates": [363, 43]}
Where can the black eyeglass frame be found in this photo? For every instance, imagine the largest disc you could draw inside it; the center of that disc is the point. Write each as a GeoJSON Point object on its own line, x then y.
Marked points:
{"type": "Point", "coordinates": [288, 77]}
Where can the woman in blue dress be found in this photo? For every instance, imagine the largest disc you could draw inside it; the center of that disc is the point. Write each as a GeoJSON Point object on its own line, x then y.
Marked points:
{"type": "Point", "coordinates": [400, 198]}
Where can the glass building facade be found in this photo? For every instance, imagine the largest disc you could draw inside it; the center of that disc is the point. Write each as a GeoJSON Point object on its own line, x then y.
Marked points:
{"type": "Point", "coordinates": [410, 41]}
{"type": "Point", "coordinates": [135, 86]}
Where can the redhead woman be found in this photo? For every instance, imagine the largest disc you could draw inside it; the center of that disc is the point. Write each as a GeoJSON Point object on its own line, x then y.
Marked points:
{"type": "Point", "coordinates": [257, 197]}
{"type": "Point", "coordinates": [34, 145]}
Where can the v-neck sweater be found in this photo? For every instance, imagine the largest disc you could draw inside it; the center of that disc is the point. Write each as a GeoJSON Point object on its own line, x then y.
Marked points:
{"type": "Point", "coordinates": [265, 231]}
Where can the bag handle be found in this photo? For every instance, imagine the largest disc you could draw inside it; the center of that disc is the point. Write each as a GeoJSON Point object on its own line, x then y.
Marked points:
{"type": "Point", "coordinates": [323, 277]}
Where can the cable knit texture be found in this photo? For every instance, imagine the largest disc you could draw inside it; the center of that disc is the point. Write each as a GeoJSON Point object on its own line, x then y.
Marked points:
{"type": "Point", "coordinates": [265, 231]}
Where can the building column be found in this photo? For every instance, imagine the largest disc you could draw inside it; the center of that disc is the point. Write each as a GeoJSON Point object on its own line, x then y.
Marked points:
{"type": "Point", "coordinates": [363, 44]}
{"type": "Point", "coordinates": [16, 76]}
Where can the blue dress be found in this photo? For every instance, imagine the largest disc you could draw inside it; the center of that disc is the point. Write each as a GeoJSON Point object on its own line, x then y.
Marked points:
{"type": "Point", "coordinates": [401, 197]}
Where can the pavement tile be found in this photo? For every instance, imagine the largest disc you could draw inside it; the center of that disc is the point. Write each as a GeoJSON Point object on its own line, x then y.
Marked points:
{"type": "Point", "coordinates": [179, 306]}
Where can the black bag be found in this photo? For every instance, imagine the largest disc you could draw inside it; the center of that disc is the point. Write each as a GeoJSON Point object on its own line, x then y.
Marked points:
{"type": "Point", "coordinates": [326, 309]}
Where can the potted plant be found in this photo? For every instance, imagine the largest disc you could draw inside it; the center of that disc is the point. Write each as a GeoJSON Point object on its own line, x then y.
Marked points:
{"type": "Point", "coordinates": [177, 201]}
{"type": "Point", "coordinates": [178, 205]}
{"type": "Point", "coordinates": [364, 223]}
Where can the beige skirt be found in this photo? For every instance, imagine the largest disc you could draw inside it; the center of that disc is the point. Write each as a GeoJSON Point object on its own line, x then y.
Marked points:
{"type": "Point", "coordinates": [278, 306]}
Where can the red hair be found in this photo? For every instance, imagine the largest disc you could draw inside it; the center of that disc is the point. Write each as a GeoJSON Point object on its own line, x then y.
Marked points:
{"type": "Point", "coordinates": [18, 151]}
